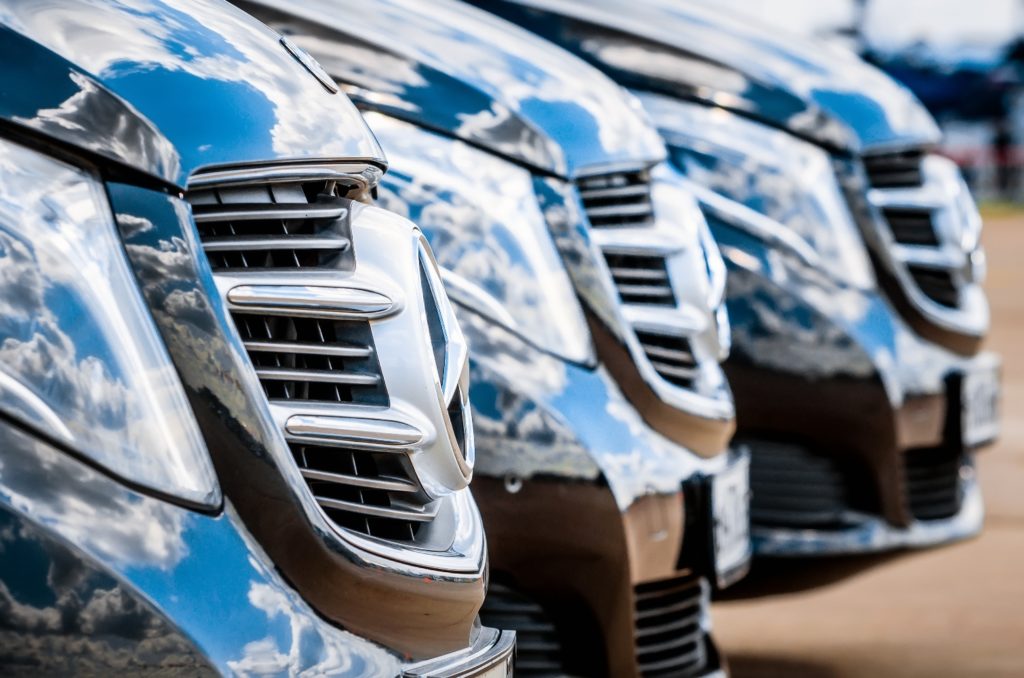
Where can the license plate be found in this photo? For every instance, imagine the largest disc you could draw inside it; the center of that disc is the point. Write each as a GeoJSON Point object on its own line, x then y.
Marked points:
{"type": "Point", "coordinates": [979, 402]}
{"type": "Point", "coordinates": [730, 507]}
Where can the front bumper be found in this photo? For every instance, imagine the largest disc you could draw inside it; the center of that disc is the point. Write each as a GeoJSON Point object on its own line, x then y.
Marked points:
{"type": "Point", "coordinates": [872, 534]}
{"type": "Point", "coordinates": [853, 419]}
{"type": "Point", "coordinates": [491, 656]}
{"type": "Point", "coordinates": [585, 517]}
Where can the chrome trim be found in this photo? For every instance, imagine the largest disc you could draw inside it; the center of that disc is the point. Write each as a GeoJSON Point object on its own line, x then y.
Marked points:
{"type": "Point", "coordinates": [957, 226]}
{"type": "Point", "coordinates": [363, 174]}
{"type": "Point", "coordinates": [380, 511]}
{"type": "Point", "coordinates": [347, 430]}
{"type": "Point", "coordinates": [326, 376]}
{"type": "Point", "coordinates": [308, 348]}
{"type": "Point", "coordinates": [263, 243]}
{"type": "Point", "coordinates": [395, 485]}
{"type": "Point", "coordinates": [269, 212]}
{"type": "Point", "coordinates": [310, 301]}
{"type": "Point", "coordinates": [492, 655]}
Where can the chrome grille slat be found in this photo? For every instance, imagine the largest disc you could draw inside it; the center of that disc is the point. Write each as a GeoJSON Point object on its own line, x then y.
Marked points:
{"type": "Point", "coordinates": [265, 243]}
{"type": "Point", "coordinates": [639, 274]}
{"type": "Point", "coordinates": [311, 349]}
{"type": "Point", "coordinates": [382, 483]}
{"type": "Point", "coordinates": [266, 213]}
{"type": "Point", "coordinates": [378, 511]}
{"type": "Point", "coordinates": [323, 376]}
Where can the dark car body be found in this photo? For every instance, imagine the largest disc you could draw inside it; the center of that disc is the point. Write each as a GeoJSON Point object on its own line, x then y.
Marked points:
{"type": "Point", "coordinates": [491, 134]}
{"type": "Point", "coordinates": [161, 105]}
{"type": "Point", "coordinates": [850, 396]}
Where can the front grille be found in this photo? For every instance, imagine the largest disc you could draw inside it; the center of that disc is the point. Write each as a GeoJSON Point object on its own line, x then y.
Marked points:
{"type": "Point", "coordinates": [276, 228]}
{"type": "Point", "coordinates": [671, 356]}
{"type": "Point", "coordinates": [924, 203]}
{"type": "Point", "coordinates": [932, 482]}
{"type": "Point", "coordinates": [793, 487]}
{"type": "Point", "coordinates": [936, 284]}
{"type": "Point", "coordinates": [901, 169]}
{"type": "Point", "coordinates": [369, 492]}
{"type": "Point", "coordinates": [641, 279]}
{"type": "Point", "coordinates": [670, 639]}
{"type": "Point", "coordinates": [313, 358]}
{"type": "Point", "coordinates": [538, 646]}
{"type": "Point", "coordinates": [617, 200]}
{"type": "Point", "coordinates": [911, 226]}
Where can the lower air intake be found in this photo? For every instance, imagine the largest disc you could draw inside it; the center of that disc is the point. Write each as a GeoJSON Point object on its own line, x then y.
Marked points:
{"type": "Point", "coordinates": [670, 639]}
{"type": "Point", "coordinates": [793, 487]}
{"type": "Point", "coordinates": [538, 648]}
{"type": "Point", "coordinates": [932, 482]}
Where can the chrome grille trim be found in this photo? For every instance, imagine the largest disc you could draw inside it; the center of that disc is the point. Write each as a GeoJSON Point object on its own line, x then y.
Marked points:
{"type": "Point", "coordinates": [666, 288]}
{"type": "Point", "coordinates": [928, 235]}
{"type": "Point", "coordinates": [380, 457]}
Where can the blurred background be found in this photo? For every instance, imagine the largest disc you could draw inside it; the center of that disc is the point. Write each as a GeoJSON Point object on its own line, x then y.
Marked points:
{"type": "Point", "coordinates": [963, 59]}
{"type": "Point", "coordinates": [957, 610]}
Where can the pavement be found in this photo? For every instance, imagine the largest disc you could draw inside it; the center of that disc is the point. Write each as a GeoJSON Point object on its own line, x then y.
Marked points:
{"type": "Point", "coordinates": [951, 611]}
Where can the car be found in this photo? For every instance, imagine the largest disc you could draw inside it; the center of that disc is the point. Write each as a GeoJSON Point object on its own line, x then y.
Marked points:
{"type": "Point", "coordinates": [234, 435]}
{"type": "Point", "coordinates": [855, 269]}
{"type": "Point", "coordinates": [590, 294]}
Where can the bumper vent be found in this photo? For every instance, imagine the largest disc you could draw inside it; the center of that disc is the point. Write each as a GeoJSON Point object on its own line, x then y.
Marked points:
{"type": "Point", "coordinates": [670, 356]}
{"type": "Point", "coordinates": [538, 647]}
{"type": "Point", "coordinates": [269, 233]}
{"type": "Point", "coordinates": [617, 200]}
{"type": "Point", "coordinates": [901, 169]}
{"type": "Point", "coordinates": [793, 487]}
{"type": "Point", "coordinates": [641, 279]}
{"type": "Point", "coordinates": [932, 481]}
{"type": "Point", "coordinates": [670, 638]}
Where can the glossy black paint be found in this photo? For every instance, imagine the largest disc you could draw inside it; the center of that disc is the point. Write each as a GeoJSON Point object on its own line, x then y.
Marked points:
{"type": "Point", "coordinates": [684, 49]}
{"type": "Point", "coordinates": [99, 579]}
{"type": "Point", "coordinates": [164, 88]}
{"type": "Point", "coordinates": [458, 71]}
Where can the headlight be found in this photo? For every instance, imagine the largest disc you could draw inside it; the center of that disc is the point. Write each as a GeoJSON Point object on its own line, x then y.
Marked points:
{"type": "Point", "coordinates": [80, 357]}
{"type": "Point", "coordinates": [790, 181]}
{"type": "Point", "coordinates": [488, 234]}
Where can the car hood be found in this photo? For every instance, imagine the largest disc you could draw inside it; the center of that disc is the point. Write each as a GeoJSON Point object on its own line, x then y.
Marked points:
{"type": "Point", "coordinates": [448, 67]}
{"type": "Point", "coordinates": [680, 48]}
{"type": "Point", "coordinates": [164, 87]}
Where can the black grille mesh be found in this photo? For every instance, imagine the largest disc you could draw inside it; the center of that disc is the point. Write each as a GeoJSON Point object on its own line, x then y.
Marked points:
{"type": "Point", "coordinates": [932, 482]}
{"type": "Point", "coordinates": [667, 626]}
